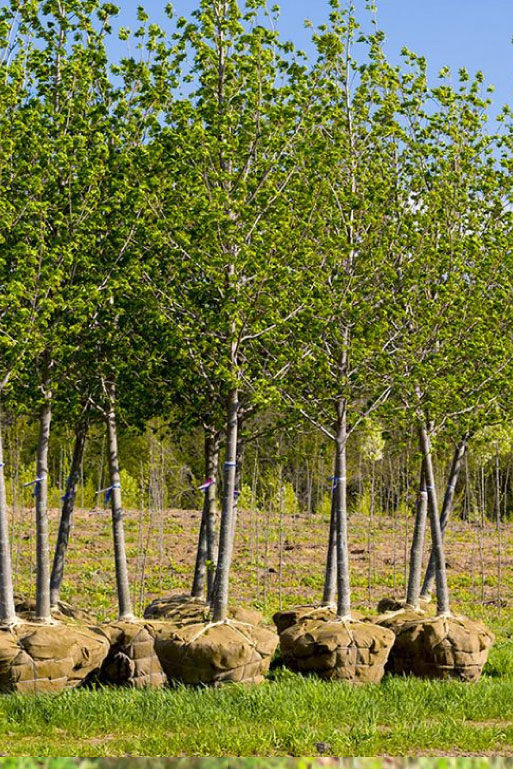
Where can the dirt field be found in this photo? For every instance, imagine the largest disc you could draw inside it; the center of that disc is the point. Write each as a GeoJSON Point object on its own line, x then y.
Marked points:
{"type": "Point", "coordinates": [276, 562]}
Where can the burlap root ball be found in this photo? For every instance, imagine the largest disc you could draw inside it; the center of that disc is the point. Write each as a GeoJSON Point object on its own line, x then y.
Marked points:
{"type": "Point", "coordinates": [132, 660]}
{"type": "Point", "coordinates": [296, 614]}
{"type": "Point", "coordinates": [186, 610]}
{"type": "Point", "coordinates": [63, 612]}
{"type": "Point", "coordinates": [393, 604]}
{"type": "Point", "coordinates": [396, 620]}
{"type": "Point", "coordinates": [215, 653]}
{"type": "Point", "coordinates": [440, 647]}
{"type": "Point", "coordinates": [37, 658]}
{"type": "Point", "coordinates": [355, 652]}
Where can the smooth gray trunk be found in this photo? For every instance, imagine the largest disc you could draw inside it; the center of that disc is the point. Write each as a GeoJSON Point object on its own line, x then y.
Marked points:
{"type": "Point", "coordinates": [330, 574]}
{"type": "Point", "coordinates": [206, 544]}
{"type": "Point", "coordinates": [7, 610]}
{"type": "Point", "coordinates": [118, 530]}
{"type": "Point", "coordinates": [417, 545]}
{"type": "Point", "coordinates": [221, 587]}
{"type": "Point", "coordinates": [238, 471]}
{"type": "Point", "coordinates": [43, 611]}
{"type": "Point", "coordinates": [450, 490]}
{"type": "Point", "coordinates": [212, 543]}
{"type": "Point", "coordinates": [200, 567]}
{"type": "Point", "coordinates": [442, 590]}
{"type": "Point", "coordinates": [68, 504]}
{"type": "Point", "coordinates": [340, 495]}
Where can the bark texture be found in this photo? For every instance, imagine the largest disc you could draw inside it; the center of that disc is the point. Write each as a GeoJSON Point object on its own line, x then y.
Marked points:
{"type": "Point", "coordinates": [330, 575]}
{"type": "Point", "coordinates": [457, 462]}
{"type": "Point", "coordinates": [41, 496]}
{"type": "Point", "coordinates": [442, 590]}
{"type": "Point", "coordinates": [340, 495]}
{"type": "Point", "coordinates": [65, 522]}
{"type": "Point", "coordinates": [220, 598]}
{"type": "Point", "coordinates": [206, 542]}
{"type": "Point", "coordinates": [118, 530]}
{"type": "Point", "coordinates": [417, 545]}
{"type": "Point", "coordinates": [7, 610]}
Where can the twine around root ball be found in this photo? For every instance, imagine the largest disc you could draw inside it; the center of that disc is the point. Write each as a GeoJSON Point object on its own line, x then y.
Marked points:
{"type": "Point", "coordinates": [351, 651]}
{"type": "Point", "coordinates": [438, 647]}
{"type": "Point", "coordinates": [49, 658]}
{"type": "Point", "coordinates": [187, 610]}
{"type": "Point", "coordinates": [215, 652]}
{"type": "Point", "coordinates": [132, 660]}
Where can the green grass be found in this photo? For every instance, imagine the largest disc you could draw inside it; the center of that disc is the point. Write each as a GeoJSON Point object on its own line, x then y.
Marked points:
{"type": "Point", "coordinates": [250, 763]}
{"type": "Point", "coordinates": [287, 716]}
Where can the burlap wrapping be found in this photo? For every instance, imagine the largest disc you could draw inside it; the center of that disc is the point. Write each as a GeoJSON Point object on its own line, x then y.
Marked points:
{"type": "Point", "coordinates": [396, 620]}
{"type": "Point", "coordinates": [37, 659]}
{"type": "Point", "coordinates": [392, 604]}
{"type": "Point", "coordinates": [439, 647]}
{"type": "Point", "coordinates": [217, 653]}
{"type": "Point", "coordinates": [355, 652]}
{"type": "Point", "coordinates": [132, 660]}
{"type": "Point", "coordinates": [185, 610]}
{"type": "Point", "coordinates": [64, 612]}
{"type": "Point", "coordinates": [289, 617]}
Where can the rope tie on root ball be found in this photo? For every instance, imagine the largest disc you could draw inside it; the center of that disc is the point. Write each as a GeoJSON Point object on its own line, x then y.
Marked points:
{"type": "Point", "coordinates": [229, 622]}
{"type": "Point", "coordinates": [227, 651]}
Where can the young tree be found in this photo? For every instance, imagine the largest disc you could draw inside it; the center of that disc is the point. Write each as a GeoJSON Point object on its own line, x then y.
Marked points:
{"type": "Point", "coordinates": [21, 127]}
{"type": "Point", "coordinates": [447, 279]}
{"type": "Point", "coordinates": [223, 280]}
{"type": "Point", "coordinates": [343, 372]}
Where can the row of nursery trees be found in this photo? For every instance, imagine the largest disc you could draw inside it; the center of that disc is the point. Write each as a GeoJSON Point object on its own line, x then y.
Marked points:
{"type": "Point", "coordinates": [221, 234]}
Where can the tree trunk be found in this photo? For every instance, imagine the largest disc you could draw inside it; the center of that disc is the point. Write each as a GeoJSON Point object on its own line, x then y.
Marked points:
{"type": "Point", "coordinates": [118, 531]}
{"type": "Point", "coordinates": [43, 611]}
{"type": "Point", "coordinates": [68, 503]}
{"type": "Point", "coordinates": [330, 575]}
{"type": "Point", "coordinates": [340, 481]}
{"type": "Point", "coordinates": [211, 465]}
{"type": "Point", "coordinates": [7, 610]}
{"type": "Point", "coordinates": [442, 590]}
{"type": "Point", "coordinates": [238, 471]}
{"type": "Point", "coordinates": [200, 567]}
{"type": "Point", "coordinates": [207, 538]}
{"type": "Point", "coordinates": [220, 599]}
{"type": "Point", "coordinates": [450, 490]}
{"type": "Point", "coordinates": [417, 545]}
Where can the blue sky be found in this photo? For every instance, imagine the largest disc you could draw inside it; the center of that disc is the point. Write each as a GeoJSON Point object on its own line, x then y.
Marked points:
{"type": "Point", "coordinates": [472, 33]}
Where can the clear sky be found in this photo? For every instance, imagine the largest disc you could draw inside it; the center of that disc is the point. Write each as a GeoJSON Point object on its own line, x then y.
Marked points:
{"type": "Point", "coordinates": [472, 33]}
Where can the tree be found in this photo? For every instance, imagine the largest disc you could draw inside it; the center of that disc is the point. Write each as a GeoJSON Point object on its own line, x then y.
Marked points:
{"type": "Point", "coordinates": [447, 279]}
{"type": "Point", "coordinates": [222, 281]}
{"type": "Point", "coordinates": [20, 276]}
{"type": "Point", "coordinates": [343, 373]}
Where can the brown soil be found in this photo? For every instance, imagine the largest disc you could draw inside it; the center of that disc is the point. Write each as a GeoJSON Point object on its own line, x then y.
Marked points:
{"type": "Point", "coordinates": [269, 571]}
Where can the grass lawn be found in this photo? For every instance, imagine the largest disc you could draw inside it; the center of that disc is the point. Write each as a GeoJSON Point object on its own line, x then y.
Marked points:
{"type": "Point", "coordinates": [253, 763]}
{"type": "Point", "coordinates": [287, 716]}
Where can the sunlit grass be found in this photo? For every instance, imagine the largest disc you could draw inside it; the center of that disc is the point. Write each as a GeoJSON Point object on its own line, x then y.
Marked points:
{"type": "Point", "coordinates": [288, 716]}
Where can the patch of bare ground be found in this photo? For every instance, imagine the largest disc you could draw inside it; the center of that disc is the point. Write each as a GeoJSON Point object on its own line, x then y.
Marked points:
{"type": "Point", "coordinates": [277, 561]}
